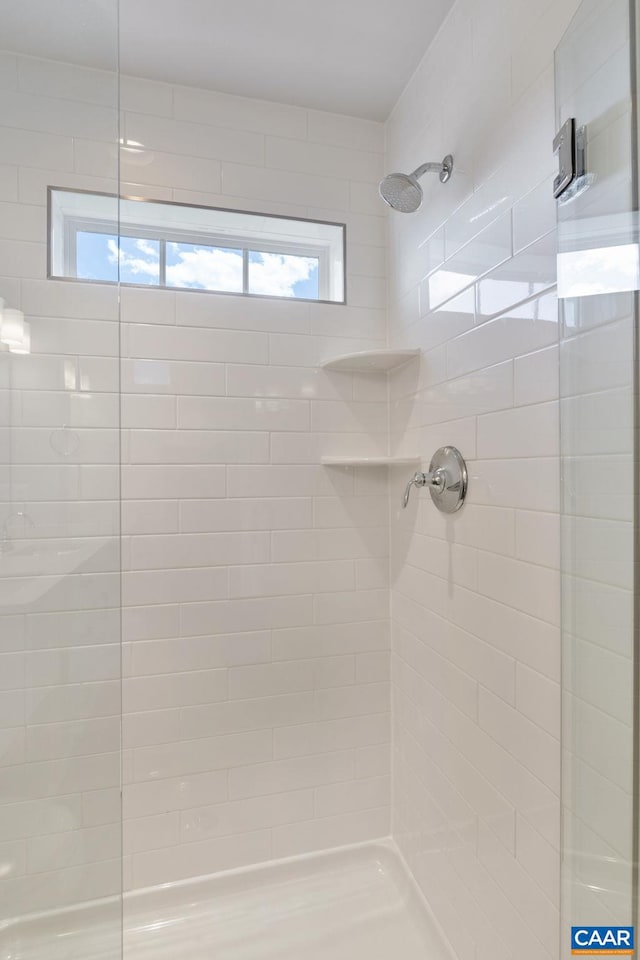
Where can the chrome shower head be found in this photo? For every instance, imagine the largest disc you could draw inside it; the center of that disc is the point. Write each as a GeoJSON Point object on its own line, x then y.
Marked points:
{"type": "Point", "coordinates": [403, 193]}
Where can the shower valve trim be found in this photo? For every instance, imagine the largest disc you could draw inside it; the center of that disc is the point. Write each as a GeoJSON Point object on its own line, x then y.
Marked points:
{"type": "Point", "coordinates": [447, 480]}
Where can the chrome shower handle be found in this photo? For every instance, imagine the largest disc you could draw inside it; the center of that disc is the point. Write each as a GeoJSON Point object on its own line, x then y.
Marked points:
{"type": "Point", "coordinates": [437, 480]}
{"type": "Point", "coordinates": [447, 480]}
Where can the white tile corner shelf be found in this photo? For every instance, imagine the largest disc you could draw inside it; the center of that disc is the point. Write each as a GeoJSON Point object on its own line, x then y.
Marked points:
{"type": "Point", "coordinates": [370, 361]}
{"type": "Point", "coordinates": [367, 461]}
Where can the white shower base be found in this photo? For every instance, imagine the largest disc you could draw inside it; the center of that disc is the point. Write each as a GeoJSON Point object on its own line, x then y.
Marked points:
{"type": "Point", "coordinates": [346, 904]}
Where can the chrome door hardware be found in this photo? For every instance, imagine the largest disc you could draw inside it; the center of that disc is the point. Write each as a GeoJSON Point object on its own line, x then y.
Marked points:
{"type": "Point", "coordinates": [447, 480]}
{"type": "Point", "coordinates": [564, 146]}
{"type": "Point", "coordinates": [570, 145]}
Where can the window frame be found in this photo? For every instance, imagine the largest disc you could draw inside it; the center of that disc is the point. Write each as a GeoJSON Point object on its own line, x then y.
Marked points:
{"type": "Point", "coordinates": [72, 225]}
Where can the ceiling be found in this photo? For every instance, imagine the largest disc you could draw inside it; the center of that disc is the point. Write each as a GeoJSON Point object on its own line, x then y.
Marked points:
{"type": "Point", "coordinates": [346, 56]}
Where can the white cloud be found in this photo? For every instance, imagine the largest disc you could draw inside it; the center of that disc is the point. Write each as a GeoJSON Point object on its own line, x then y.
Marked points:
{"type": "Point", "coordinates": [277, 274]}
{"type": "Point", "coordinates": [274, 274]}
{"type": "Point", "coordinates": [136, 265]}
{"type": "Point", "coordinates": [206, 268]}
{"type": "Point", "coordinates": [147, 247]}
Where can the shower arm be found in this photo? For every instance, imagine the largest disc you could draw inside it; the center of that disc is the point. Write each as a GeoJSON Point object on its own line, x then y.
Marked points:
{"type": "Point", "coordinates": [426, 168]}
{"type": "Point", "coordinates": [444, 169]}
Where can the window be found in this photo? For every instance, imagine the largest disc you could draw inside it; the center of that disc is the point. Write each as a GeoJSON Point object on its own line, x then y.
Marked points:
{"type": "Point", "coordinates": [187, 247]}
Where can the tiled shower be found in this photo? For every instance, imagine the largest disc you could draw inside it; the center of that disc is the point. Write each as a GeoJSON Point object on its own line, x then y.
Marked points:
{"type": "Point", "coordinates": [249, 702]}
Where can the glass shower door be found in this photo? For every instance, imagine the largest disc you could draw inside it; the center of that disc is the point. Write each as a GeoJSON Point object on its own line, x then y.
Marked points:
{"type": "Point", "coordinates": [597, 284]}
{"type": "Point", "coordinates": [60, 650]}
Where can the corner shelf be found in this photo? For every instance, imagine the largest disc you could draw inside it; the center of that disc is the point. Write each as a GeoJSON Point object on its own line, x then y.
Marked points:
{"type": "Point", "coordinates": [370, 361]}
{"type": "Point", "coordinates": [367, 461]}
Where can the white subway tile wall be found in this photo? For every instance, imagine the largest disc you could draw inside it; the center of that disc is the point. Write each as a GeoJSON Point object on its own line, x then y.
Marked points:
{"type": "Point", "coordinates": [257, 659]}
{"type": "Point", "coordinates": [475, 598]}
{"type": "Point", "coordinates": [59, 570]}
{"type": "Point", "coordinates": [256, 690]}
{"type": "Point", "coordinates": [597, 375]}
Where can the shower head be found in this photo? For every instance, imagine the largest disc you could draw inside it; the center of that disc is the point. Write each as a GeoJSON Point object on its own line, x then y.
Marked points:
{"type": "Point", "coordinates": [403, 192]}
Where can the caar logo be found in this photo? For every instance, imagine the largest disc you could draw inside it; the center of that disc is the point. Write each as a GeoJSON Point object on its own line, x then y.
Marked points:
{"type": "Point", "coordinates": [600, 940]}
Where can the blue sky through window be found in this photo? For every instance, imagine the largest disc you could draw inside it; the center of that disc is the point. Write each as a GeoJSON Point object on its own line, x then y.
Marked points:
{"type": "Point", "coordinates": [204, 268]}
{"type": "Point", "coordinates": [283, 275]}
{"type": "Point", "coordinates": [195, 266]}
{"type": "Point", "coordinates": [97, 258]}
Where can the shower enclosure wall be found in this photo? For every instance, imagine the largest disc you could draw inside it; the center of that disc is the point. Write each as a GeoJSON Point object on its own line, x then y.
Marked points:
{"type": "Point", "coordinates": [255, 635]}
{"type": "Point", "coordinates": [476, 598]}
{"type": "Point", "coordinates": [201, 620]}
{"type": "Point", "coordinates": [60, 639]}
{"type": "Point", "coordinates": [478, 621]}
{"type": "Point", "coordinates": [597, 280]}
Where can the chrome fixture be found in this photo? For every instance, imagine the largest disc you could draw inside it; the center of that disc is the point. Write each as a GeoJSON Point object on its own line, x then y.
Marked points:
{"type": "Point", "coordinates": [402, 192]}
{"type": "Point", "coordinates": [447, 480]}
{"type": "Point", "coordinates": [570, 145]}
{"type": "Point", "coordinates": [433, 480]}
{"type": "Point", "coordinates": [6, 541]}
